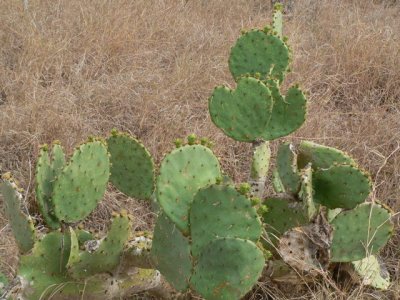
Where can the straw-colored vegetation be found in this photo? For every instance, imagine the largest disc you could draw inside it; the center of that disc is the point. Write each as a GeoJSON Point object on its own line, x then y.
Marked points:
{"type": "Point", "coordinates": [71, 68]}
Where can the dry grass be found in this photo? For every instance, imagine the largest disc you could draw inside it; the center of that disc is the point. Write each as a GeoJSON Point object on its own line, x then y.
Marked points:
{"type": "Point", "coordinates": [72, 68]}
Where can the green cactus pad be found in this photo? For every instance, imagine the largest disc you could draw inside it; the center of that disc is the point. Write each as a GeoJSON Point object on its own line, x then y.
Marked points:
{"type": "Point", "coordinates": [227, 269]}
{"type": "Point", "coordinates": [281, 216]}
{"type": "Point", "coordinates": [277, 182]}
{"type": "Point", "coordinates": [306, 193]}
{"type": "Point", "coordinates": [259, 52]}
{"type": "Point", "coordinates": [74, 249]}
{"type": "Point", "coordinates": [82, 183]}
{"type": "Point", "coordinates": [171, 253]}
{"type": "Point", "coordinates": [288, 113]}
{"type": "Point", "coordinates": [83, 236]}
{"type": "Point", "coordinates": [182, 173]}
{"type": "Point", "coordinates": [221, 211]}
{"type": "Point", "coordinates": [243, 114]}
{"type": "Point", "coordinates": [132, 167]}
{"type": "Point", "coordinates": [44, 269]}
{"type": "Point", "coordinates": [287, 168]}
{"type": "Point", "coordinates": [370, 271]}
{"type": "Point", "coordinates": [47, 170]}
{"type": "Point", "coordinates": [341, 186]}
{"type": "Point", "coordinates": [21, 224]}
{"type": "Point", "coordinates": [277, 21]}
{"type": "Point", "coordinates": [321, 157]}
{"type": "Point", "coordinates": [360, 232]}
{"type": "Point", "coordinates": [260, 162]}
{"type": "Point", "coordinates": [107, 256]}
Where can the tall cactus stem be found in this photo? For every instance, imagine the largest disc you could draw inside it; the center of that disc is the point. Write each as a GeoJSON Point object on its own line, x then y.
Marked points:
{"type": "Point", "coordinates": [259, 168]}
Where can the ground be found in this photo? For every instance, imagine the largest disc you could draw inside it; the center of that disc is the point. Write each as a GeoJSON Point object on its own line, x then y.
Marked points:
{"type": "Point", "coordinates": [71, 68]}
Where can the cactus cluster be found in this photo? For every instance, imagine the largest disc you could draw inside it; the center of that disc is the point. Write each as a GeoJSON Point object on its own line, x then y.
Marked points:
{"type": "Point", "coordinates": [211, 238]}
{"type": "Point", "coordinates": [64, 260]}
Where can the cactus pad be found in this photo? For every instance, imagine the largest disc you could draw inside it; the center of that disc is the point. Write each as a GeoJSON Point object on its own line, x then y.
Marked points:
{"type": "Point", "coordinates": [132, 167]}
{"type": "Point", "coordinates": [306, 193]}
{"type": "Point", "coordinates": [171, 253]}
{"type": "Point", "coordinates": [260, 162]}
{"type": "Point", "coordinates": [321, 157]}
{"type": "Point", "coordinates": [372, 273]}
{"type": "Point", "coordinates": [44, 269]}
{"type": "Point", "coordinates": [227, 269]}
{"type": "Point", "coordinates": [21, 224]}
{"type": "Point", "coordinates": [360, 232]}
{"type": "Point", "coordinates": [182, 173]}
{"type": "Point", "coordinates": [107, 256]}
{"type": "Point", "coordinates": [82, 183]}
{"type": "Point", "coordinates": [47, 170]}
{"type": "Point", "coordinates": [277, 21]}
{"type": "Point", "coordinates": [259, 52]}
{"type": "Point", "coordinates": [243, 114]}
{"type": "Point", "coordinates": [287, 168]}
{"type": "Point", "coordinates": [281, 216]}
{"type": "Point", "coordinates": [341, 186]}
{"type": "Point", "coordinates": [221, 211]}
{"type": "Point", "coordinates": [288, 113]}
{"type": "Point", "coordinates": [277, 182]}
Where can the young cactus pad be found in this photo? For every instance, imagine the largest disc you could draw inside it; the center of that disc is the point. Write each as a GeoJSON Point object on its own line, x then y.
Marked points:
{"type": "Point", "coordinates": [82, 183]}
{"type": "Point", "coordinates": [277, 20]}
{"type": "Point", "coordinates": [182, 173]}
{"type": "Point", "coordinates": [259, 52]}
{"type": "Point", "coordinates": [21, 224]}
{"type": "Point", "coordinates": [288, 112]}
{"type": "Point", "coordinates": [227, 269]}
{"type": "Point", "coordinates": [171, 253]}
{"type": "Point", "coordinates": [47, 170]}
{"type": "Point", "coordinates": [107, 256]}
{"type": "Point", "coordinates": [341, 186]}
{"type": "Point", "coordinates": [360, 232]}
{"type": "Point", "coordinates": [321, 157]}
{"type": "Point", "coordinates": [243, 114]}
{"type": "Point", "coordinates": [221, 211]}
{"type": "Point", "coordinates": [132, 167]}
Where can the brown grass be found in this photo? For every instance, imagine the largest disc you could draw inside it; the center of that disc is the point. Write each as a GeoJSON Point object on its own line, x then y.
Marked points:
{"type": "Point", "coordinates": [69, 69]}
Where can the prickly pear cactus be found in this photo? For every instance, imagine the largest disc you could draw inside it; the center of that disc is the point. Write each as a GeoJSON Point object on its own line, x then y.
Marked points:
{"type": "Point", "coordinates": [107, 256]}
{"type": "Point", "coordinates": [360, 232]}
{"type": "Point", "coordinates": [243, 114]}
{"type": "Point", "coordinates": [48, 168]}
{"type": "Point", "coordinates": [21, 224]}
{"type": "Point", "coordinates": [321, 157]}
{"type": "Point", "coordinates": [217, 211]}
{"type": "Point", "coordinates": [132, 167]}
{"type": "Point", "coordinates": [341, 186]}
{"type": "Point", "coordinates": [287, 168]}
{"type": "Point", "coordinates": [82, 182]}
{"type": "Point", "coordinates": [182, 173]}
{"type": "Point", "coordinates": [227, 269]}
{"type": "Point", "coordinates": [171, 253]}
{"type": "Point", "coordinates": [259, 51]}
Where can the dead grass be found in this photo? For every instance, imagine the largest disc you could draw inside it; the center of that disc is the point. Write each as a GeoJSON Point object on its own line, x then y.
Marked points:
{"type": "Point", "coordinates": [69, 69]}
